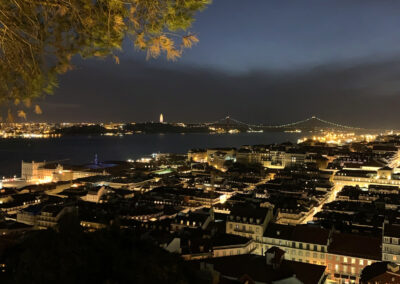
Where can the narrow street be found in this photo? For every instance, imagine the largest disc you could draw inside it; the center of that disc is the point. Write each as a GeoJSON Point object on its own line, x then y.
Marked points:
{"type": "Point", "coordinates": [332, 196]}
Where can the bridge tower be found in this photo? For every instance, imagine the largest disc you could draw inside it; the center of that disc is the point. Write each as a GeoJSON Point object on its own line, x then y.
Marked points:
{"type": "Point", "coordinates": [228, 120]}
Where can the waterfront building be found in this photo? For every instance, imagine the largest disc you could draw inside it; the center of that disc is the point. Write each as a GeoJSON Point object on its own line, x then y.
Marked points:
{"type": "Point", "coordinates": [34, 171]}
{"type": "Point", "coordinates": [45, 172]}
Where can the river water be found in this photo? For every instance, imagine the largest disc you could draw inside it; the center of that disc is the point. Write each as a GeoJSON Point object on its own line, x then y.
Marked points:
{"type": "Point", "coordinates": [82, 149]}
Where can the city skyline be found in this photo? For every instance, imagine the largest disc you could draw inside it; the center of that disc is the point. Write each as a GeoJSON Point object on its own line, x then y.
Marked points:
{"type": "Point", "coordinates": [228, 121]}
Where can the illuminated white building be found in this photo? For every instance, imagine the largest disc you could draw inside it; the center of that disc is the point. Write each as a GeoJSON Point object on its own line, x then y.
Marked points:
{"type": "Point", "coordinates": [42, 172]}
{"type": "Point", "coordinates": [33, 170]}
{"type": "Point", "coordinates": [161, 118]}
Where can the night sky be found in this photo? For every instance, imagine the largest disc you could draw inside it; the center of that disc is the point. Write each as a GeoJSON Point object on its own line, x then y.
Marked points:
{"type": "Point", "coordinates": [259, 61]}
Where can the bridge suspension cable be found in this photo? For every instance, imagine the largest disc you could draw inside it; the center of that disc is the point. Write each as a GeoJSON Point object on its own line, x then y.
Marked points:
{"type": "Point", "coordinates": [335, 124]}
{"type": "Point", "coordinates": [228, 118]}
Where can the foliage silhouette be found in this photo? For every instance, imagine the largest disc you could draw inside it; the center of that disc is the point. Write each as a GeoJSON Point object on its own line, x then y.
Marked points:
{"type": "Point", "coordinates": [38, 38]}
{"type": "Point", "coordinates": [69, 255]}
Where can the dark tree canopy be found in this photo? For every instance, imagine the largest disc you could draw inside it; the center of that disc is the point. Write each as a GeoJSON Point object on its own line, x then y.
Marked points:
{"type": "Point", "coordinates": [38, 38]}
{"type": "Point", "coordinates": [69, 255]}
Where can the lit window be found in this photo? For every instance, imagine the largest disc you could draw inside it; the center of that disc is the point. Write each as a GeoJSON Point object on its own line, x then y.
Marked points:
{"type": "Point", "coordinates": [336, 267]}
{"type": "Point", "coordinates": [345, 259]}
{"type": "Point", "coordinates": [353, 260]}
{"type": "Point", "coordinates": [361, 261]}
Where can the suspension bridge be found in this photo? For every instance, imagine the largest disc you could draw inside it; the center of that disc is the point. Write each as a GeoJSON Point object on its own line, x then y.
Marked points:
{"type": "Point", "coordinates": [313, 122]}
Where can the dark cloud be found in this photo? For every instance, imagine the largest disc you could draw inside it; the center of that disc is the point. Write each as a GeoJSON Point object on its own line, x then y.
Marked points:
{"type": "Point", "coordinates": [360, 94]}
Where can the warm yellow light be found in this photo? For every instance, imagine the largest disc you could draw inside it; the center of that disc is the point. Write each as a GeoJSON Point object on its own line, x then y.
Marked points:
{"type": "Point", "coordinates": [222, 199]}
